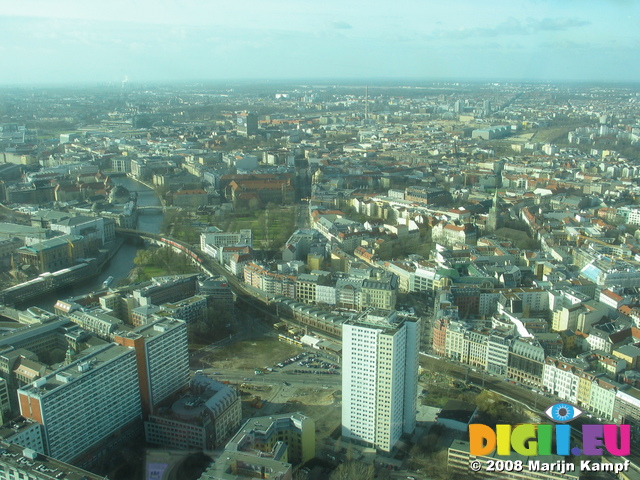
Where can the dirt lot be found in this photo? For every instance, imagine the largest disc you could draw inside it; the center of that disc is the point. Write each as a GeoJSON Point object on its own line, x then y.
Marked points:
{"type": "Point", "coordinates": [321, 404]}
{"type": "Point", "coordinates": [260, 353]}
{"type": "Point", "coordinates": [318, 402]}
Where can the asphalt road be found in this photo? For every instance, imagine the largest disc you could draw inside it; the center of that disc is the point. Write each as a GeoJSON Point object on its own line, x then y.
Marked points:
{"type": "Point", "coordinates": [276, 378]}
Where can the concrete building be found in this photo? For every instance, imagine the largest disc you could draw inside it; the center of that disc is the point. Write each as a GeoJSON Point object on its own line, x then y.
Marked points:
{"type": "Point", "coordinates": [449, 234]}
{"type": "Point", "coordinates": [303, 242]}
{"type": "Point", "coordinates": [17, 462]}
{"type": "Point", "coordinates": [23, 432]}
{"type": "Point", "coordinates": [526, 361]}
{"type": "Point", "coordinates": [97, 321]}
{"type": "Point", "coordinates": [266, 447]}
{"type": "Point", "coordinates": [218, 291]}
{"type": "Point", "coordinates": [162, 357]}
{"type": "Point", "coordinates": [459, 458]}
{"type": "Point", "coordinates": [190, 309]}
{"type": "Point", "coordinates": [166, 289]}
{"type": "Point", "coordinates": [217, 238]}
{"type": "Point", "coordinates": [85, 402]}
{"type": "Point", "coordinates": [95, 230]}
{"type": "Point", "coordinates": [247, 124]}
{"type": "Point", "coordinates": [379, 378]}
{"type": "Point", "coordinates": [561, 379]}
{"type": "Point", "coordinates": [190, 198]}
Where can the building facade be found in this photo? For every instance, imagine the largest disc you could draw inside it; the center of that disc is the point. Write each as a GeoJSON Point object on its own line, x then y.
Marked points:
{"type": "Point", "coordinates": [85, 402]}
{"type": "Point", "coordinates": [379, 378]}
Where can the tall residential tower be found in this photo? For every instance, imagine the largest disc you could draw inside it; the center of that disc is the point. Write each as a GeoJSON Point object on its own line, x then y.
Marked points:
{"type": "Point", "coordinates": [379, 378]}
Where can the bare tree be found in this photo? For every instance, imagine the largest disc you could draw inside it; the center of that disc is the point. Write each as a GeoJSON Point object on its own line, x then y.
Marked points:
{"type": "Point", "coordinates": [353, 470]}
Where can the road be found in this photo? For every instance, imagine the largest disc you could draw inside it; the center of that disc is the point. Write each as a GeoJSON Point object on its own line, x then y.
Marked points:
{"type": "Point", "coordinates": [276, 378]}
{"type": "Point", "coordinates": [521, 394]}
{"type": "Point", "coordinates": [302, 216]}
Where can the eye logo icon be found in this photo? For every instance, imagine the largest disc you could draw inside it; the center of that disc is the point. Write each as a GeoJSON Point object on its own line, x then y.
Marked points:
{"type": "Point", "coordinates": [562, 412]}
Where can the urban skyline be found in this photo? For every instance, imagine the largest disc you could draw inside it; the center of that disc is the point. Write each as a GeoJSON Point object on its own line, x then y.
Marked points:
{"type": "Point", "coordinates": [311, 281]}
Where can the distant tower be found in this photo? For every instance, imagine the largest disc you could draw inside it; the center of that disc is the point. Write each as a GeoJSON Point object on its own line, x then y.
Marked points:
{"type": "Point", "coordinates": [247, 124]}
{"type": "Point", "coordinates": [366, 104]}
{"type": "Point", "coordinates": [494, 221]}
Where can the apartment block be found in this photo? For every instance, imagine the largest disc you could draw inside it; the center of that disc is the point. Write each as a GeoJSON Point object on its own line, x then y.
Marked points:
{"type": "Point", "coordinates": [379, 378]}
{"type": "Point", "coordinates": [162, 359]}
{"type": "Point", "coordinates": [85, 402]}
{"type": "Point", "coordinates": [190, 309]}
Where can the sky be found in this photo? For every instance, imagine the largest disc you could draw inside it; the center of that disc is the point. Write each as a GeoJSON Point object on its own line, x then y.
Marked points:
{"type": "Point", "coordinates": [111, 41]}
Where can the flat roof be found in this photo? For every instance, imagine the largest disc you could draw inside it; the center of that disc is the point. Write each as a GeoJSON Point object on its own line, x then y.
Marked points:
{"type": "Point", "coordinates": [458, 410]}
{"type": "Point", "coordinates": [41, 466]}
{"type": "Point", "coordinates": [94, 357]}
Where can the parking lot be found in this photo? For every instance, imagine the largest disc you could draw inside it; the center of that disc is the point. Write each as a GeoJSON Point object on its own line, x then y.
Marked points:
{"type": "Point", "coordinates": [309, 362]}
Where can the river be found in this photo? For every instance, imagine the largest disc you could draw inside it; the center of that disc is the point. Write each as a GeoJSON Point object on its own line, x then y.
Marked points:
{"type": "Point", "coordinates": [122, 262]}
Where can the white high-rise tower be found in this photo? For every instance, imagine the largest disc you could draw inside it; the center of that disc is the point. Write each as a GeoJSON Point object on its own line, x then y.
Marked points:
{"type": "Point", "coordinates": [379, 378]}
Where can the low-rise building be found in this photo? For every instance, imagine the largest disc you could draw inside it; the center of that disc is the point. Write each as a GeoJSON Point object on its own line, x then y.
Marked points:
{"type": "Point", "coordinates": [201, 418]}
{"type": "Point", "coordinates": [17, 462]}
{"type": "Point", "coordinates": [266, 447]}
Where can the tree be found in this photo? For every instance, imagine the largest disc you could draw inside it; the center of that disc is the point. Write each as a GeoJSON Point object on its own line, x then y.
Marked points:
{"type": "Point", "coordinates": [352, 470]}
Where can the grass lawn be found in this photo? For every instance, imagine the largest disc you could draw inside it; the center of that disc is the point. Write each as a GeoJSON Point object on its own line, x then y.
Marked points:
{"type": "Point", "coordinates": [552, 135]}
{"type": "Point", "coordinates": [150, 271]}
{"type": "Point", "coordinates": [271, 228]}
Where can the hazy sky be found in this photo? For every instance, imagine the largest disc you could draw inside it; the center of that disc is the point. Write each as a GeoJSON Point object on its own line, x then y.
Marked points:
{"type": "Point", "coordinates": [43, 41]}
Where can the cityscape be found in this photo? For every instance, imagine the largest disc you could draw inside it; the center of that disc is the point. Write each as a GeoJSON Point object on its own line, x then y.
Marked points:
{"type": "Point", "coordinates": [322, 241]}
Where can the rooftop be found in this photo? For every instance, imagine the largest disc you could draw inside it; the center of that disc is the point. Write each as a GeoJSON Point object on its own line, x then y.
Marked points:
{"type": "Point", "coordinates": [91, 358]}
{"type": "Point", "coordinates": [41, 466]}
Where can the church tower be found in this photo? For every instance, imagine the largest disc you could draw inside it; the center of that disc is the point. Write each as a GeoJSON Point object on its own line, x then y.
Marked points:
{"type": "Point", "coordinates": [494, 221]}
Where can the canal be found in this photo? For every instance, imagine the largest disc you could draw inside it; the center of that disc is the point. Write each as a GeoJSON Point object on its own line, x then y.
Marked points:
{"type": "Point", "coordinates": [122, 263]}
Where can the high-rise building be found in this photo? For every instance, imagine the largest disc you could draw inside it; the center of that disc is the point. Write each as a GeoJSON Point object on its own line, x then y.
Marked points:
{"type": "Point", "coordinates": [85, 402]}
{"type": "Point", "coordinates": [379, 378]}
{"type": "Point", "coordinates": [248, 124]}
{"type": "Point", "coordinates": [162, 357]}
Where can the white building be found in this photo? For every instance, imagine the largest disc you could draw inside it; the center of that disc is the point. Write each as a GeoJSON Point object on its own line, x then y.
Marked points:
{"type": "Point", "coordinates": [94, 229]}
{"type": "Point", "coordinates": [217, 238]}
{"type": "Point", "coordinates": [603, 397]}
{"type": "Point", "coordinates": [379, 378]}
{"type": "Point", "coordinates": [561, 379]}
